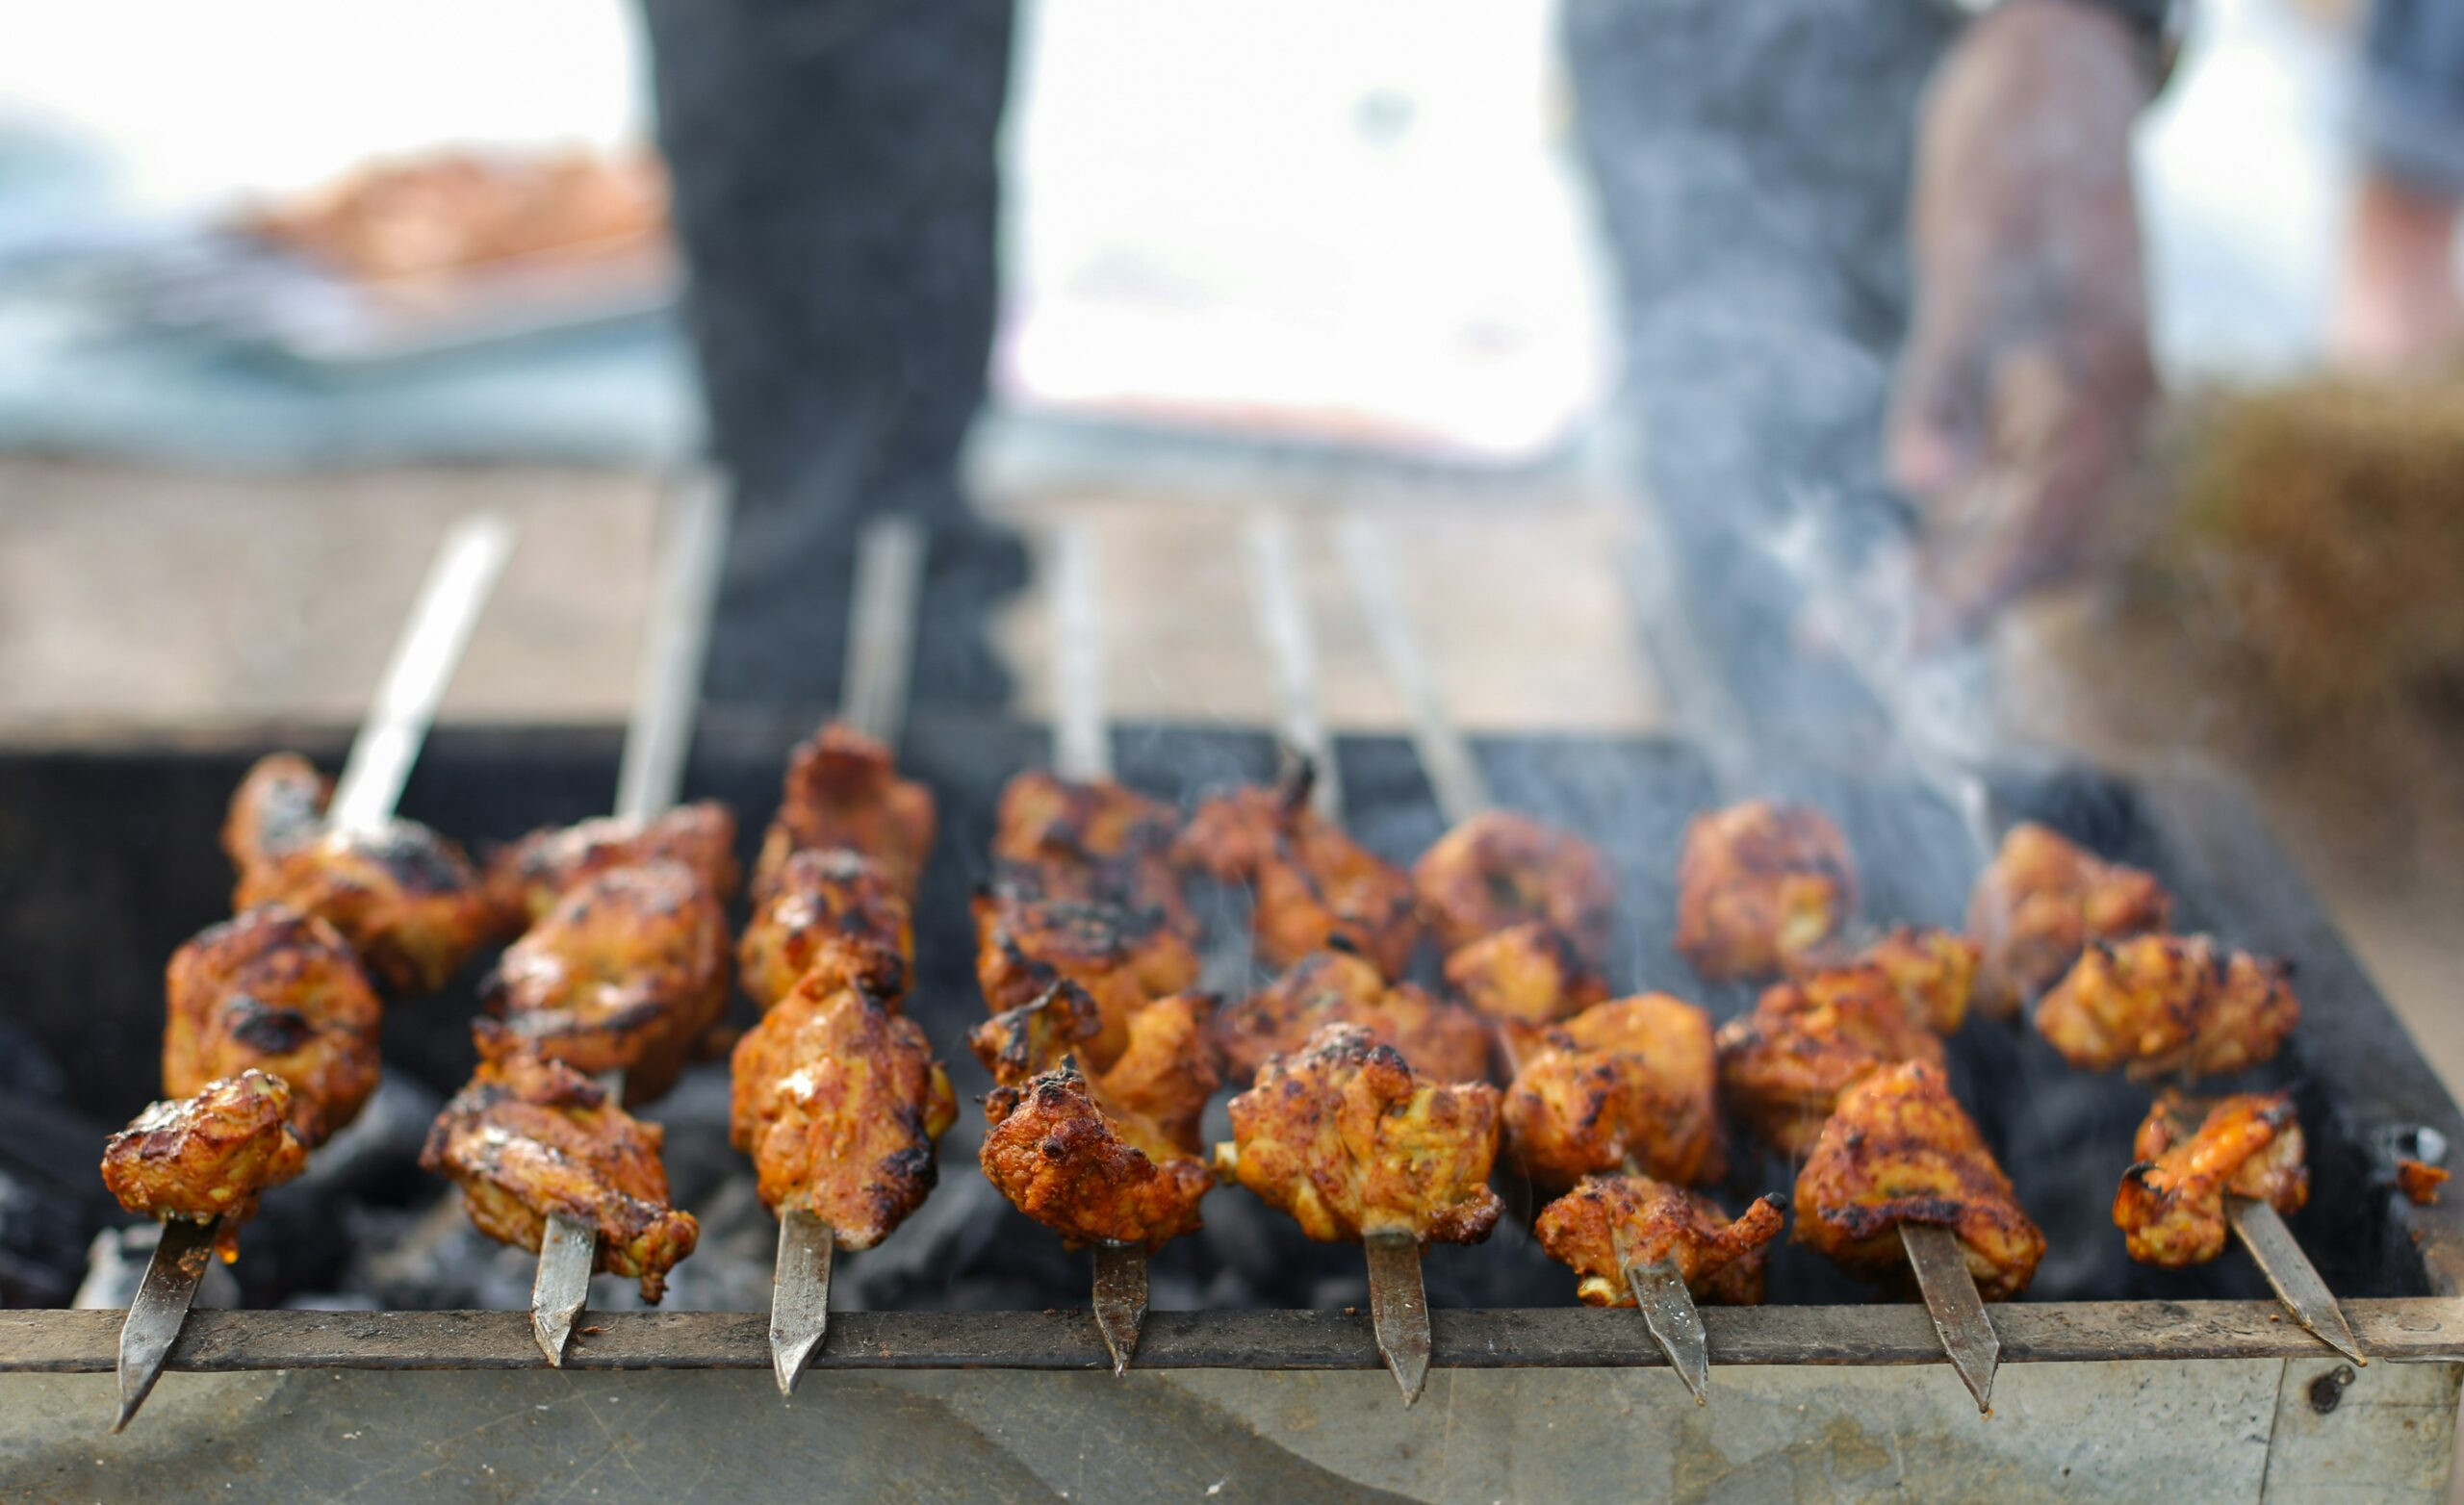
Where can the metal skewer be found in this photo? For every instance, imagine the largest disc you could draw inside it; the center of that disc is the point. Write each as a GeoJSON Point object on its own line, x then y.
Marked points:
{"type": "Point", "coordinates": [1462, 791]}
{"type": "Point", "coordinates": [889, 573]}
{"type": "Point", "coordinates": [389, 741]}
{"type": "Point", "coordinates": [2291, 1275]}
{"type": "Point", "coordinates": [1956, 1306]}
{"type": "Point", "coordinates": [650, 772]}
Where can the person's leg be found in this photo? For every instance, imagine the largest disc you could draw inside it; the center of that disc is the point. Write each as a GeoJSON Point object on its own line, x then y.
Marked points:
{"type": "Point", "coordinates": [2397, 306]}
{"type": "Point", "coordinates": [835, 189]}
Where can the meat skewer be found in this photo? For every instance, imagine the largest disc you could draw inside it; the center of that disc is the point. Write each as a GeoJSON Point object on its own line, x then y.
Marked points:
{"type": "Point", "coordinates": [450, 602]}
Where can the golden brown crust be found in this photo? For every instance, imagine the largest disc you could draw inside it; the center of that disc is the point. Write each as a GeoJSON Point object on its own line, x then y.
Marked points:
{"type": "Point", "coordinates": [1629, 1084]}
{"type": "Point", "coordinates": [406, 898]}
{"type": "Point", "coordinates": [2162, 1005]}
{"type": "Point", "coordinates": [278, 807]}
{"type": "Point", "coordinates": [1439, 1040]}
{"type": "Point", "coordinates": [2041, 903]}
{"type": "Point", "coordinates": [1500, 870]}
{"type": "Point", "coordinates": [531, 1138]}
{"type": "Point", "coordinates": [527, 878]}
{"type": "Point", "coordinates": [2192, 1156]}
{"type": "Point", "coordinates": [274, 991]}
{"type": "Point", "coordinates": [1901, 1150]}
{"type": "Point", "coordinates": [1935, 970]}
{"type": "Point", "coordinates": [1528, 972]}
{"type": "Point", "coordinates": [1313, 886]}
{"type": "Point", "coordinates": [623, 974]}
{"type": "Point", "coordinates": [209, 1155]}
{"type": "Point", "coordinates": [1348, 1141]}
{"type": "Point", "coordinates": [843, 791]}
{"type": "Point", "coordinates": [1092, 842]}
{"type": "Point", "coordinates": [839, 1102]}
{"type": "Point", "coordinates": [1154, 1093]}
{"type": "Point", "coordinates": [1124, 958]}
{"type": "Point", "coordinates": [1757, 884]}
{"type": "Point", "coordinates": [1609, 1222]}
{"type": "Point", "coordinates": [1785, 1065]}
{"type": "Point", "coordinates": [1064, 1161]}
{"type": "Point", "coordinates": [823, 898]}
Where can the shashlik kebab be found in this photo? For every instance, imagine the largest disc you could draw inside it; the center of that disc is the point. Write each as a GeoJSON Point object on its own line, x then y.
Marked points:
{"type": "Point", "coordinates": [2194, 1157]}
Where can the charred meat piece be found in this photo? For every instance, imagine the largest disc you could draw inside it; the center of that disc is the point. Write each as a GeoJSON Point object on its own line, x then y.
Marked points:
{"type": "Point", "coordinates": [531, 1138]}
{"type": "Point", "coordinates": [1348, 1141]}
{"type": "Point", "coordinates": [1760, 884]}
{"type": "Point", "coordinates": [1528, 972]}
{"type": "Point", "coordinates": [1901, 1150]}
{"type": "Point", "coordinates": [209, 1155]}
{"type": "Point", "coordinates": [1500, 870]}
{"type": "Point", "coordinates": [1313, 886]}
{"type": "Point", "coordinates": [1933, 970]}
{"type": "Point", "coordinates": [1785, 1064]}
{"type": "Point", "coordinates": [1092, 843]}
{"type": "Point", "coordinates": [278, 991]}
{"type": "Point", "coordinates": [2041, 903]}
{"type": "Point", "coordinates": [623, 974]}
{"type": "Point", "coordinates": [527, 878]}
{"type": "Point", "coordinates": [406, 898]}
{"type": "Point", "coordinates": [1609, 1222]}
{"type": "Point", "coordinates": [843, 792]}
{"type": "Point", "coordinates": [822, 899]}
{"type": "Point", "coordinates": [839, 1101]}
{"type": "Point", "coordinates": [1124, 958]}
{"type": "Point", "coordinates": [1440, 1040]}
{"type": "Point", "coordinates": [279, 808]}
{"type": "Point", "coordinates": [1629, 1084]}
{"type": "Point", "coordinates": [2192, 1156]}
{"type": "Point", "coordinates": [1063, 1160]}
{"type": "Point", "coordinates": [2165, 1005]}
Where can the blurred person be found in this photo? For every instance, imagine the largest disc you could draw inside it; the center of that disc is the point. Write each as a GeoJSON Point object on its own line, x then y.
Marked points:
{"type": "Point", "coordinates": [1878, 247]}
{"type": "Point", "coordinates": [2397, 311]}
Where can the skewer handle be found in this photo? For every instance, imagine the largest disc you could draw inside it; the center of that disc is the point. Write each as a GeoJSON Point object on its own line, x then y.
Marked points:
{"type": "Point", "coordinates": [1399, 1309]}
{"type": "Point", "coordinates": [1284, 633]}
{"type": "Point", "coordinates": [448, 605]}
{"type": "Point", "coordinates": [158, 1309]}
{"type": "Point", "coordinates": [2290, 1273]}
{"type": "Point", "coordinates": [1454, 774]}
{"type": "Point", "coordinates": [650, 770]}
{"type": "Point", "coordinates": [1957, 1308]}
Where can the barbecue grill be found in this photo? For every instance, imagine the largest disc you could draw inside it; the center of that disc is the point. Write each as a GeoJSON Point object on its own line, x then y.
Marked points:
{"type": "Point", "coordinates": [966, 1363]}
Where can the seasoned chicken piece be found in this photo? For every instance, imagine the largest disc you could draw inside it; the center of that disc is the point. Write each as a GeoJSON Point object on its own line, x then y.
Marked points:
{"type": "Point", "coordinates": [208, 1155]}
{"type": "Point", "coordinates": [1124, 958]}
{"type": "Point", "coordinates": [1314, 888]}
{"type": "Point", "coordinates": [527, 878]}
{"type": "Point", "coordinates": [1629, 1084]}
{"type": "Point", "coordinates": [1901, 1150]}
{"type": "Point", "coordinates": [532, 1139]}
{"type": "Point", "coordinates": [2166, 1005]}
{"type": "Point", "coordinates": [843, 791]}
{"type": "Point", "coordinates": [623, 974]}
{"type": "Point", "coordinates": [279, 808]}
{"type": "Point", "coordinates": [1093, 842]}
{"type": "Point", "coordinates": [1933, 970]}
{"type": "Point", "coordinates": [820, 899]}
{"type": "Point", "coordinates": [1528, 972]}
{"type": "Point", "coordinates": [1609, 1222]}
{"type": "Point", "coordinates": [406, 898]}
{"type": "Point", "coordinates": [2043, 901]}
{"type": "Point", "coordinates": [1759, 884]}
{"type": "Point", "coordinates": [1785, 1064]}
{"type": "Point", "coordinates": [1500, 870]}
{"type": "Point", "coordinates": [274, 991]}
{"type": "Point", "coordinates": [839, 1102]}
{"type": "Point", "coordinates": [1441, 1041]}
{"type": "Point", "coordinates": [1155, 1092]}
{"type": "Point", "coordinates": [2192, 1156]}
{"type": "Point", "coordinates": [1063, 1160]}
{"type": "Point", "coordinates": [1349, 1142]}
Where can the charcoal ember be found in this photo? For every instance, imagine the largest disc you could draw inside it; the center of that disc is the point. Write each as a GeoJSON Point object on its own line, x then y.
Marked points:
{"type": "Point", "coordinates": [52, 1202]}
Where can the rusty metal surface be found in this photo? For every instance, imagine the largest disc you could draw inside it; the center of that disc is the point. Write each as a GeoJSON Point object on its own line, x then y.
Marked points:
{"type": "Point", "coordinates": [2238, 1430]}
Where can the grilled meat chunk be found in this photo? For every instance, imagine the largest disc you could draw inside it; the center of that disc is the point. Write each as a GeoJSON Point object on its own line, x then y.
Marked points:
{"type": "Point", "coordinates": [531, 1138]}
{"type": "Point", "coordinates": [1759, 884]}
{"type": "Point", "coordinates": [1607, 1224]}
{"type": "Point", "coordinates": [1349, 1142]}
{"type": "Point", "coordinates": [208, 1155]}
{"type": "Point", "coordinates": [278, 991]}
{"type": "Point", "coordinates": [1157, 1089]}
{"type": "Point", "coordinates": [1785, 1064]}
{"type": "Point", "coordinates": [2165, 1005]}
{"type": "Point", "coordinates": [818, 899]}
{"type": "Point", "coordinates": [843, 791]}
{"type": "Point", "coordinates": [1313, 886]}
{"type": "Point", "coordinates": [1901, 1150]}
{"type": "Point", "coordinates": [1629, 1084]}
{"type": "Point", "coordinates": [1500, 870]}
{"type": "Point", "coordinates": [279, 808]}
{"type": "Point", "coordinates": [2043, 902]}
{"type": "Point", "coordinates": [623, 974]}
{"type": "Point", "coordinates": [1935, 970]}
{"type": "Point", "coordinates": [406, 898]}
{"type": "Point", "coordinates": [839, 1102]}
{"type": "Point", "coordinates": [1124, 958]}
{"type": "Point", "coordinates": [1439, 1040]}
{"type": "Point", "coordinates": [1063, 1160]}
{"type": "Point", "coordinates": [1092, 843]}
{"type": "Point", "coordinates": [1530, 972]}
{"type": "Point", "coordinates": [2192, 1156]}
{"type": "Point", "coordinates": [527, 878]}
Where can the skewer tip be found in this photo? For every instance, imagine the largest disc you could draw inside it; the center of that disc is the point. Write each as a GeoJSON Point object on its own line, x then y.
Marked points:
{"type": "Point", "coordinates": [561, 1288]}
{"type": "Point", "coordinates": [1398, 1310]}
{"type": "Point", "coordinates": [1957, 1309]}
{"type": "Point", "coordinates": [799, 1296]}
{"type": "Point", "coordinates": [1121, 1300]}
{"type": "Point", "coordinates": [1668, 1310]}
